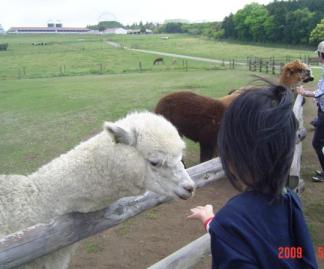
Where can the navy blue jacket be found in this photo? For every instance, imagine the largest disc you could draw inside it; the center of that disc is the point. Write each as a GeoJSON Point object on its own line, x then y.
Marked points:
{"type": "Point", "coordinates": [250, 232]}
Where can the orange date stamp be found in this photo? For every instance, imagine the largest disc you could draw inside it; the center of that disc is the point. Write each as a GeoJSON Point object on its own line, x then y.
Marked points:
{"type": "Point", "coordinates": [320, 252]}
{"type": "Point", "coordinates": [290, 252]}
{"type": "Point", "coordinates": [297, 252]}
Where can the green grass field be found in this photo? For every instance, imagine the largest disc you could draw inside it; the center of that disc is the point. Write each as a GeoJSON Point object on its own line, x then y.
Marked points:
{"type": "Point", "coordinates": [69, 55]}
{"type": "Point", "coordinates": [75, 55]}
{"type": "Point", "coordinates": [43, 117]}
{"type": "Point", "coordinates": [189, 45]}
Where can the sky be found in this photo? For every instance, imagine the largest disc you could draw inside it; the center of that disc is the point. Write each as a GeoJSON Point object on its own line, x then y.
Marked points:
{"type": "Point", "coordinates": [80, 13]}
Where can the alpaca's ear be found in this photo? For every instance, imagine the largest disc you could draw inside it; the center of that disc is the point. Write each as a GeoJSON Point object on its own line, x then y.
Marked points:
{"type": "Point", "coordinates": [120, 135]}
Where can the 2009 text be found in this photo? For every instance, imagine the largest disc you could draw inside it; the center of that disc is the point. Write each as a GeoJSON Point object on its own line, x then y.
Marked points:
{"type": "Point", "coordinates": [290, 252]}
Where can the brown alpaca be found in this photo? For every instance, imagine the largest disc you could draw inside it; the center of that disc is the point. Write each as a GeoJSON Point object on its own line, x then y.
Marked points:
{"type": "Point", "coordinates": [294, 74]}
{"type": "Point", "coordinates": [198, 117]}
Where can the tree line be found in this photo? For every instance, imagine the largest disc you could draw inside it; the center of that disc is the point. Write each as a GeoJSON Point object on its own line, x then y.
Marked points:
{"type": "Point", "coordinates": [290, 21]}
{"type": "Point", "coordinates": [293, 21]}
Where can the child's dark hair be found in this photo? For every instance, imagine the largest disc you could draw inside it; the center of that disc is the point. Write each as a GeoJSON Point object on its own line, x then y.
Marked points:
{"type": "Point", "coordinates": [257, 139]}
{"type": "Point", "coordinates": [321, 55]}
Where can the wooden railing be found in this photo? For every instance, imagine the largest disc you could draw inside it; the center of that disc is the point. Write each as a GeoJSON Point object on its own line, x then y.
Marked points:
{"type": "Point", "coordinates": [41, 239]}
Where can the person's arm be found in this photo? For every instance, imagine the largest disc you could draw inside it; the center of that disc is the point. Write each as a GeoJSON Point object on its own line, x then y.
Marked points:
{"type": "Point", "coordinates": [203, 213]}
{"type": "Point", "coordinates": [304, 92]}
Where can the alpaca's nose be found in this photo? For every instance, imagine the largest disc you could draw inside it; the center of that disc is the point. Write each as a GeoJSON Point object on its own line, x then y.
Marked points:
{"type": "Point", "coordinates": [188, 187]}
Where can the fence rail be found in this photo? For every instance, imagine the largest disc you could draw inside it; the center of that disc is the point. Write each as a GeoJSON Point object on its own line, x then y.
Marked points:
{"type": "Point", "coordinates": [256, 64]}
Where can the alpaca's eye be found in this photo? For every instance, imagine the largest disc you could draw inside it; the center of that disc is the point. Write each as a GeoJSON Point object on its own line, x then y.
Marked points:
{"type": "Point", "coordinates": [155, 163]}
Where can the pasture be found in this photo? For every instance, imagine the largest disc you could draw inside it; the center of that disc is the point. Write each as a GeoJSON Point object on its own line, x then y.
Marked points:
{"type": "Point", "coordinates": [189, 45]}
{"type": "Point", "coordinates": [45, 112]}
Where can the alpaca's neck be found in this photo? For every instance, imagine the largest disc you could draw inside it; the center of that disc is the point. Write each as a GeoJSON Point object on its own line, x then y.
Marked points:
{"type": "Point", "coordinates": [228, 99]}
{"type": "Point", "coordinates": [285, 81]}
{"type": "Point", "coordinates": [88, 178]}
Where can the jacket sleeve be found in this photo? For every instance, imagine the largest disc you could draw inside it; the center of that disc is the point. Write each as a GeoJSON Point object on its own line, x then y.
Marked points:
{"type": "Point", "coordinates": [226, 257]}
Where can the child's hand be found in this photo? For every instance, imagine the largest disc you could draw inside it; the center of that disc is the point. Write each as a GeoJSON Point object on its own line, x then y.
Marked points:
{"type": "Point", "coordinates": [202, 213]}
{"type": "Point", "coordinates": [300, 90]}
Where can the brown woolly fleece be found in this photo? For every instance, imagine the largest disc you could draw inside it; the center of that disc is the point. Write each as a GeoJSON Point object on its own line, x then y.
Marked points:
{"type": "Point", "coordinates": [196, 117]}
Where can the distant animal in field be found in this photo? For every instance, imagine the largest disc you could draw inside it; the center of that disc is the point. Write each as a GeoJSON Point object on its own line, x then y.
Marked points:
{"type": "Point", "coordinates": [39, 43]}
{"type": "Point", "coordinates": [174, 61]}
{"type": "Point", "coordinates": [196, 117]}
{"type": "Point", "coordinates": [158, 61]}
{"type": "Point", "coordinates": [140, 152]}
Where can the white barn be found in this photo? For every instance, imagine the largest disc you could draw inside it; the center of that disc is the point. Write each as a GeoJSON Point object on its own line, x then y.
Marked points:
{"type": "Point", "coordinates": [117, 31]}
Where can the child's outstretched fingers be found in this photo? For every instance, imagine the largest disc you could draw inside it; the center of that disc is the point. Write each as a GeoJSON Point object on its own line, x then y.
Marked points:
{"type": "Point", "coordinates": [201, 213]}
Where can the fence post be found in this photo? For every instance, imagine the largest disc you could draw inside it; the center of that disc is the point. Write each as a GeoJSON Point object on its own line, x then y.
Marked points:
{"type": "Point", "coordinates": [281, 66]}
{"type": "Point", "coordinates": [140, 66]}
{"type": "Point", "coordinates": [260, 64]}
{"type": "Point", "coordinates": [186, 65]}
{"type": "Point", "coordinates": [273, 66]}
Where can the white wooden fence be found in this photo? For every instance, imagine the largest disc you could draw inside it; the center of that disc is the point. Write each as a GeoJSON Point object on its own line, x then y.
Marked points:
{"type": "Point", "coordinates": [41, 239]}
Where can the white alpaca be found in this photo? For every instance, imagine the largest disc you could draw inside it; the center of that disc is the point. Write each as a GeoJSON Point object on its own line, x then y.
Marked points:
{"type": "Point", "coordinates": [140, 152]}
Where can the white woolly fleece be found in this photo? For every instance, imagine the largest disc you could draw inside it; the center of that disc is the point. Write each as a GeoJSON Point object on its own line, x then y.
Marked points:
{"type": "Point", "coordinates": [93, 175]}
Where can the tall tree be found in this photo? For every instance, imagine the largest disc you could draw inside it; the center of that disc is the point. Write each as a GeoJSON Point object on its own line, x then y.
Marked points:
{"type": "Point", "coordinates": [229, 27]}
{"type": "Point", "coordinates": [317, 34]}
{"type": "Point", "coordinates": [250, 22]}
{"type": "Point", "coordinates": [299, 24]}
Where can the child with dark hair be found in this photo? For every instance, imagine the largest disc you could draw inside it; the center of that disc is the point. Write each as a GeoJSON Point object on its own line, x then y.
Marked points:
{"type": "Point", "coordinates": [262, 227]}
